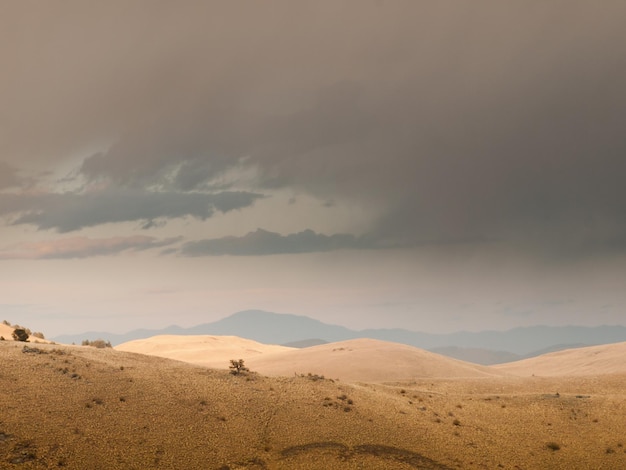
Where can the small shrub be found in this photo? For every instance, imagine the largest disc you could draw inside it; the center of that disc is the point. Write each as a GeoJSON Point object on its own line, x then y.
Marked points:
{"type": "Point", "coordinates": [6, 322]}
{"type": "Point", "coordinates": [20, 334]}
{"type": "Point", "coordinates": [313, 377]}
{"type": "Point", "coordinates": [237, 367]}
{"type": "Point", "coordinates": [456, 422]}
{"type": "Point", "coordinates": [39, 334]}
{"type": "Point", "coordinates": [2, 338]}
{"type": "Point", "coordinates": [97, 343]}
{"type": "Point", "coordinates": [553, 446]}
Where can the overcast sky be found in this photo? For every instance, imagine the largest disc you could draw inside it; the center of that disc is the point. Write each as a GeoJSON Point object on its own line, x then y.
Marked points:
{"type": "Point", "coordinates": [437, 166]}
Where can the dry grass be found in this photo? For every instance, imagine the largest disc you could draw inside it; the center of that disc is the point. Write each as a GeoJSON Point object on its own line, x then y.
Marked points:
{"type": "Point", "coordinates": [77, 407]}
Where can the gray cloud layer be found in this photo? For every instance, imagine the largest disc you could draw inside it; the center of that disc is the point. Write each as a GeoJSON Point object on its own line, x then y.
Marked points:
{"type": "Point", "coordinates": [262, 242]}
{"type": "Point", "coordinates": [67, 212]}
{"type": "Point", "coordinates": [487, 120]}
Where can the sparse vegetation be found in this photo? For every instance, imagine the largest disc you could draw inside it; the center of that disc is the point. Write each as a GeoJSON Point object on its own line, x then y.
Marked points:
{"type": "Point", "coordinates": [97, 343]}
{"type": "Point", "coordinates": [313, 377]}
{"type": "Point", "coordinates": [237, 367]}
{"type": "Point", "coordinates": [212, 413]}
{"type": "Point", "coordinates": [28, 349]}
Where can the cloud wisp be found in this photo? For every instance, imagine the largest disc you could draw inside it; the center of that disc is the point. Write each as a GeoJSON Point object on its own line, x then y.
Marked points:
{"type": "Point", "coordinates": [70, 211]}
{"type": "Point", "coordinates": [83, 247]}
{"type": "Point", "coordinates": [264, 243]}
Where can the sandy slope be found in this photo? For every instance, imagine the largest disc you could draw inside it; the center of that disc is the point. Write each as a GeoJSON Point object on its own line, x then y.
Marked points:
{"type": "Point", "coordinates": [106, 409]}
{"type": "Point", "coordinates": [205, 350]}
{"type": "Point", "coordinates": [366, 360]}
{"type": "Point", "coordinates": [362, 360]}
{"type": "Point", "coordinates": [7, 333]}
{"type": "Point", "coordinates": [593, 360]}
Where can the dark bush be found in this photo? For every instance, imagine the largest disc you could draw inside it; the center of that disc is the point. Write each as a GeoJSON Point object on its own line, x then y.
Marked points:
{"type": "Point", "coordinates": [237, 367]}
{"type": "Point", "coordinates": [20, 334]}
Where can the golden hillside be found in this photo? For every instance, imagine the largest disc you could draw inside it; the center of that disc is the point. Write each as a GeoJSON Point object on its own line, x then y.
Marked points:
{"type": "Point", "coordinates": [357, 360]}
{"type": "Point", "coordinates": [204, 350]}
{"type": "Point", "coordinates": [80, 407]}
{"type": "Point", "coordinates": [366, 360]}
{"type": "Point", "coordinates": [592, 360]}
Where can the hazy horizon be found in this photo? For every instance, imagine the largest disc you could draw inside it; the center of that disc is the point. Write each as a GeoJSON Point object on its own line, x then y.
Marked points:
{"type": "Point", "coordinates": [436, 167]}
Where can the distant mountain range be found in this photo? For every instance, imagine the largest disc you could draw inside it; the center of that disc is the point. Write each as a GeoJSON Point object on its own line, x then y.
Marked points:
{"type": "Point", "coordinates": [485, 347]}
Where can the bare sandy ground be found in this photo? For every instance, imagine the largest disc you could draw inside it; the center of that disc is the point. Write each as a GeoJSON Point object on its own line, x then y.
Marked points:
{"type": "Point", "coordinates": [359, 360]}
{"type": "Point", "coordinates": [593, 360]}
{"type": "Point", "coordinates": [205, 350]}
{"type": "Point", "coordinates": [79, 407]}
{"type": "Point", "coordinates": [366, 360]}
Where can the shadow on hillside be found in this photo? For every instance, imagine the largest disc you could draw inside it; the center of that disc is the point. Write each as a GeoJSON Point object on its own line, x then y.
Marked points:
{"type": "Point", "coordinates": [331, 455]}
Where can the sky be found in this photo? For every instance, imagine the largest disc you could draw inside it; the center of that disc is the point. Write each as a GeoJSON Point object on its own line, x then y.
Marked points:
{"type": "Point", "coordinates": [436, 166]}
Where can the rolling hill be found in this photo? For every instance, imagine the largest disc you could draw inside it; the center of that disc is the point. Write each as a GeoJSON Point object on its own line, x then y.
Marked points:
{"type": "Point", "coordinates": [80, 407]}
{"type": "Point", "coordinates": [588, 361]}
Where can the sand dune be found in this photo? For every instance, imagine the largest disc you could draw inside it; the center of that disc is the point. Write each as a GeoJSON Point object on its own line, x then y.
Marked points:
{"type": "Point", "coordinates": [366, 360]}
{"type": "Point", "coordinates": [593, 360]}
{"type": "Point", "coordinates": [359, 360]}
{"type": "Point", "coordinates": [204, 350]}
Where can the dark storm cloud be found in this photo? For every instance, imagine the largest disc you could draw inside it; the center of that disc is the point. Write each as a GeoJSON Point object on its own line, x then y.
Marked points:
{"type": "Point", "coordinates": [82, 247]}
{"type": "Point", "coordinates": [67, 212]}
{"type": "Point", "coordinates": [262, 242]}
{"type": "Point", "coordinates": [451, 121]}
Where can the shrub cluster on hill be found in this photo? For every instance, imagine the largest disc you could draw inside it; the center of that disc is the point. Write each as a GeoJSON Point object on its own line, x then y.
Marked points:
{"type": "Point", "coordinates": [97, 343]}
{"type": "Point", "coordinates": [21, 333]}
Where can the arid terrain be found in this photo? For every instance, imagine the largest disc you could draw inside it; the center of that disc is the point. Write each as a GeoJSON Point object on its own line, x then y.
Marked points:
{"type": "Point", "coordinates": [80, 407]}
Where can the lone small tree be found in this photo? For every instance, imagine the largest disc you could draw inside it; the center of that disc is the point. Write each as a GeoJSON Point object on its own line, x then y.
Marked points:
{"type": "Point", "coordinates": [20, 334]}
{"type": "Point", "coordinates": [237, 367]}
